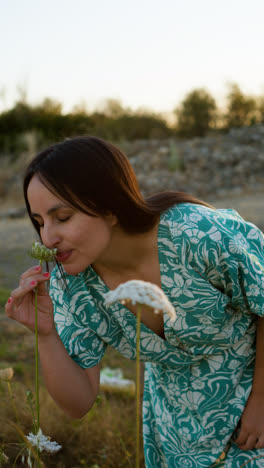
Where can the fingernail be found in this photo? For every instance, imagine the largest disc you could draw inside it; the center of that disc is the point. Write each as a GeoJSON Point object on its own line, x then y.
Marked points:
{"type": "Point", "coordinates": [37, 268]}
{"type": "Point", "coordinates": [9, 300]}
{"type": "Point", "coordinates": [33, 283]}
{"type": "Point", "coordinates": [46, 274]}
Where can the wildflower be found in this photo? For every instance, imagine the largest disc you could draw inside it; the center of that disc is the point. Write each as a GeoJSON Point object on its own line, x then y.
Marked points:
{"type": "Point", "coordinates": [6, 374]}
{"type": "Point", "coordinates": [3, 458]}
{"type": "Point", "coordinates": [41, 252]}
{"type": "Point", "coordinates": [43, 443]}
{"type": "Point", "coordinates": [112, 379]}
{"type": "Point", "coordinates": [141, 292]}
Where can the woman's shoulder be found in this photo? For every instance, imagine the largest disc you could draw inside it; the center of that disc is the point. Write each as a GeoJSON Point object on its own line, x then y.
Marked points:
{"type": "Point", "coordinates": [198, 220]}
{"type": "Point", "coordinates": [184, 212]}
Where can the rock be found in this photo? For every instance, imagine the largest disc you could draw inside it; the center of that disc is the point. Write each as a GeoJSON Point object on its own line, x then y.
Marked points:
{"type": "Point", "coordinates": [232, 162]}
{"type": "Point", "coordinates": [14, 213]}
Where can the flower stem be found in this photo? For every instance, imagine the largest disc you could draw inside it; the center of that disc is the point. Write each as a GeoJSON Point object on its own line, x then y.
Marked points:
{"type": "Point", "coordinates": [138, 388]}
{"type": "Point", "coordinates": [13, 402]}
{"type": "Point", "coordinates": [251, 459]}
{"type": "Point", "coordinates": [36, 356]}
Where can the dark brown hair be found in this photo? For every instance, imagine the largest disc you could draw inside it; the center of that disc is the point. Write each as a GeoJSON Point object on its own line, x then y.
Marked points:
{"type": "Point", "coordinates": [96, 177]}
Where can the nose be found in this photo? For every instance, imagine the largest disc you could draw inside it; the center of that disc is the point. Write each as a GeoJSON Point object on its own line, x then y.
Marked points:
{"type": "Point", "coordinates": [50, 236]}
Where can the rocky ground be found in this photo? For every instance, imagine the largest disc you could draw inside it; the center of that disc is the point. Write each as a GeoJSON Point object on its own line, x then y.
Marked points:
{"type": "Point", "coordinates": [226, 170]}
{"type": "Point", "coordinates": [16, 236]}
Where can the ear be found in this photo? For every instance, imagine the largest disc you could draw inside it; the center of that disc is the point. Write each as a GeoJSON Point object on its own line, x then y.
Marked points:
{"type": "Point", "coordinates": [114, 220]}
{"type": "Point", "coordinates": [111, 219]}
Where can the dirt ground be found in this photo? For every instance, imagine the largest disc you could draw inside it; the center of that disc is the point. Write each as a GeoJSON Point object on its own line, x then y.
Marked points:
{"type": "Point", "coordinates": [16, 235]}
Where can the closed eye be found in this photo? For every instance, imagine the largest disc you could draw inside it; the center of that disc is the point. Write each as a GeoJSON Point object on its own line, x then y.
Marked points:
{"type": "Point", "coordinates": [60, 220]}
{"type": "Point", "coordinates": [63, 220]}
{"type": "Point", "coordinates": [36, 222]}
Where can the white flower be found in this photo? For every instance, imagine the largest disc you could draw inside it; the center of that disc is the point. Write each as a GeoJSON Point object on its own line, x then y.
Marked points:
{"type": "Point", "coordinates": [141, 292]}
{"type": "Point", "coordinates": [43, 442]}
{"type": "Point", "coordinates": [3, 458]}
{"type": "Point", "coordinates": [113, 378]}
{"type": "Point", "coordinates": [6, 374]}
{"type": "Point", "coordinates": [41, 252]}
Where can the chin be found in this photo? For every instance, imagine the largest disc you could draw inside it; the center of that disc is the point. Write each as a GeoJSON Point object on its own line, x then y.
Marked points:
{"type": "Point", "coordinates": [73, 270]}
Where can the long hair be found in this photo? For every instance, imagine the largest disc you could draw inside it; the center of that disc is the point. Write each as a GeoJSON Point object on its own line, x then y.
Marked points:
{"type": "Point", "coordinates": [95, 177]}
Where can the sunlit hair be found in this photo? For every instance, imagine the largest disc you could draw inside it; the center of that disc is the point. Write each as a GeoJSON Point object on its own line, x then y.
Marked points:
{"type": "Point", "coordinates": [95, 177]}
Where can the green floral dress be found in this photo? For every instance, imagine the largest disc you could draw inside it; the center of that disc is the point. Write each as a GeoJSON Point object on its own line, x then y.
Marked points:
{"type": "Point", "coordinates": [197, 379]}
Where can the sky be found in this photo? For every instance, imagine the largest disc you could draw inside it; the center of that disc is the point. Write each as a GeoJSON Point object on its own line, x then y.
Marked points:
{"type": "Point", "coordinates": [145, 53]}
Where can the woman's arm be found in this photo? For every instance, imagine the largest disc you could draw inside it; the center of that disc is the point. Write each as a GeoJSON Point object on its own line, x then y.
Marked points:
{"type": "Point", "coordinates": [252, 421]}
{"type": "Point", "coordinates": [74, 389]}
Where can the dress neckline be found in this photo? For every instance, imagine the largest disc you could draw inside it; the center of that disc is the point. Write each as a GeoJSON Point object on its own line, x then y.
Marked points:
{"type": "Point", "coordinates": [132, 316]}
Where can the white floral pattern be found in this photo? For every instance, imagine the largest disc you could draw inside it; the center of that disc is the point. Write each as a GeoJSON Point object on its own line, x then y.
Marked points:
{"type": "Point", "coordinates": [198, 378]}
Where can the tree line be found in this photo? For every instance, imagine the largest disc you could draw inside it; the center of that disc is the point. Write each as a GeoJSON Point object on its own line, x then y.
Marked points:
{"type": "Point", "coordinates": [196, 116]}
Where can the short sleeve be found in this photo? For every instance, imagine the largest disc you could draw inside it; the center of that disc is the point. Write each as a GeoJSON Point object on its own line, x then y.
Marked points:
{"type": "Point", "coordinates": [84, 346]}
{"type": "Point", "coordinates": [230, 252]}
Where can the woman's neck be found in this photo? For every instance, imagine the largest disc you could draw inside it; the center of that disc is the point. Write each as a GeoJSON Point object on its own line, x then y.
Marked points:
{"type": "Point", "coordinates": [128, 254]}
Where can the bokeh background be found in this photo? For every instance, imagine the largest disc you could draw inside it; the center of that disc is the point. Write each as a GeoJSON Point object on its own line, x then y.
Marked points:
{"type": "Point", "coordinates": [179, 86]}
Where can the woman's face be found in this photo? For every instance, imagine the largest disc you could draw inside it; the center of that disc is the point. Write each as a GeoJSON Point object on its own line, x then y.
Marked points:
{"type": "Point", "coordinates": [81, 239]}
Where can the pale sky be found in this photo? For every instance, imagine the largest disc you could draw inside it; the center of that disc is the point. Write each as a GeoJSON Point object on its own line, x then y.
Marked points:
{"type": "Point", "coordinates": [147, 53]}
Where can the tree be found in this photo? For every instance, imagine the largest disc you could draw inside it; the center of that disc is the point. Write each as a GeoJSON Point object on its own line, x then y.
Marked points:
{"type": "Point", "coordinates": [196, 114]}
{"type": "Point", "coordinates": [113, 108]}
{"type": "Point", "coordinates": [50, 106]}
{"type": "Point", "coordinates": [260, 106]}
{"type": "Point", "coordinates": [241, 109]}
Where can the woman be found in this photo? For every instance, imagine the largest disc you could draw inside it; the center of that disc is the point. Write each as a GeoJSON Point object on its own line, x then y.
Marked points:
{"type": "Point", "coordinates": [202, 381]}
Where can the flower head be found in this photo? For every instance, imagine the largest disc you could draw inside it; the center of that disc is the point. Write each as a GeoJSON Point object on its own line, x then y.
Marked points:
{"type": "Point", "coordinates": [3, 458]}
{"type": "Point", "coordinates": [141, 292]}
{"type": "Point", "coordinates": [6, 374]}
{"type": "Point", "coordinates": [41, 252]}
{"type": "Point", "coordinates": [43, 442]}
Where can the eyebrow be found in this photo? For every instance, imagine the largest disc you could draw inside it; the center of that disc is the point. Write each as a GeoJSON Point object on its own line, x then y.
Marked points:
{"type": "Point", "coordinates": [50, 211]}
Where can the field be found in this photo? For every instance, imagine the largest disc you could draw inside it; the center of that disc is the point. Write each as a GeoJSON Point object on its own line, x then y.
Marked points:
{"type": "Point", "coordinates": [105, 437]}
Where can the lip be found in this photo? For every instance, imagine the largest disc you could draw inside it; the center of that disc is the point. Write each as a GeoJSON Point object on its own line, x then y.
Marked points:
{"type": "Point", "coordinates": [63, 256]}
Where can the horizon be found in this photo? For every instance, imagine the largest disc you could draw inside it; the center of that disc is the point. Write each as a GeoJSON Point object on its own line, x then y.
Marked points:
{"type": "Point", "coordinates": [147, 55]}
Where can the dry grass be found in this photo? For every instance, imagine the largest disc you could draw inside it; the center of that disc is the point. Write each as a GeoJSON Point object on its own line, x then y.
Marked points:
{"type": "Point", "coordinates": [104, 437]}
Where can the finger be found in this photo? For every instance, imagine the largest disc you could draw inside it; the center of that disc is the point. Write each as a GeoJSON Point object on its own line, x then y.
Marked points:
{"type": "Point", "coordinates": [18, 294]}
{"type": "Point", "coordinates": [242, 438]}
{"type": "Point", "coordinates": [249, 444]}
{"type": "Point", "coordinates": [260, 442]}
{"type": "Point", "coordinates": [31, 271]}
{"type": "Point", "coordinates": [39, 280]}
{"type": "Point", "coordinates": [28, 286]}
{"type": "Point", "coordinates": [9, 307]}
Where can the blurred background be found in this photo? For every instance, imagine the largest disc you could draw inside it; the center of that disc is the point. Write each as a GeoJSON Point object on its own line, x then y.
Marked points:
{"type": "Point", "coordinates": [179, 87]}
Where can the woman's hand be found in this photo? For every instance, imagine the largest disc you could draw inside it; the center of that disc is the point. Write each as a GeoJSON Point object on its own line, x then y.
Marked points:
{"type": "Point", "coordinates": [21, 304]}
{"type": "Point", "coordinates": [251, 435]}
